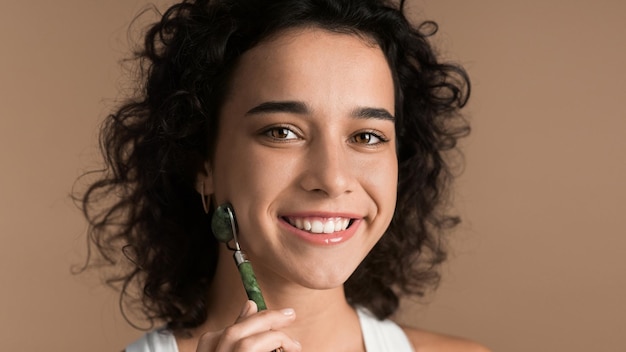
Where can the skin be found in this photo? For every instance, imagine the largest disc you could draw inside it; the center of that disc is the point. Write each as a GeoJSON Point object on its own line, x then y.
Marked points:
{"type": "Point", "coordinates": [306, 132]}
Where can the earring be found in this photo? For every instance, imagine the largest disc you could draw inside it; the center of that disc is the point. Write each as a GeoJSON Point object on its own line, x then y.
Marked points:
{"type": "Point", "coordinates": [204, 198]}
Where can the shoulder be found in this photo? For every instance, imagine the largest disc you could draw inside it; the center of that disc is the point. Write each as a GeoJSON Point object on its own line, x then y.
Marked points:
{"type": "Point", "coordinates": [425, 341]}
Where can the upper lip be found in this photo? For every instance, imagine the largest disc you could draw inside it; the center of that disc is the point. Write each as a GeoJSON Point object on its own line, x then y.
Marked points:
{"type": "Point", "coordinates": [321, 214]}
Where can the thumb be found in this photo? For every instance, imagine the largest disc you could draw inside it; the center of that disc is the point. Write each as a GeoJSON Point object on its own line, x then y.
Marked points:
{"type": "Point", "coordinates": [208, 341]}
{"type": "Point", "coordinates": [249, 308]}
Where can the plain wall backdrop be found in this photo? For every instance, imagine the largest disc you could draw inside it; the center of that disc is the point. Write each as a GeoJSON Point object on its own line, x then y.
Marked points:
{"type": "Point", "coordinates": [537, 265]}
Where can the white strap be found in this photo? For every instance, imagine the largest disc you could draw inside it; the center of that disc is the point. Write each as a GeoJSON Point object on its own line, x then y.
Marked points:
{"type": "Point", "coordinates": [160, 340]}
{"type": "Point", "coordinates": [382, 336]}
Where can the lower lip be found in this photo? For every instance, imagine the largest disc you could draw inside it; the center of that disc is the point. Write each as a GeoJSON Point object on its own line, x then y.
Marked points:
{"type": "Point", "coordinates": [323, 239]}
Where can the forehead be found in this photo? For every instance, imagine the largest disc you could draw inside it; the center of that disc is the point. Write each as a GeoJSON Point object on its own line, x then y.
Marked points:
{"type": "Point", "coordinates": [295, 59]}
{"type": "Point", "coordinates": [308, 43]}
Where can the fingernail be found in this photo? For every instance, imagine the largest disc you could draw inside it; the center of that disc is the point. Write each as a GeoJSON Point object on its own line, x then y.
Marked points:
{"type": "Point", "coordinates": [288, 312]}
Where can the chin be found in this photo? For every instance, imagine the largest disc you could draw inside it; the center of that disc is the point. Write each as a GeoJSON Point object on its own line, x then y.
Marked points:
{"type": "Point", "coordinates": [322, 279]}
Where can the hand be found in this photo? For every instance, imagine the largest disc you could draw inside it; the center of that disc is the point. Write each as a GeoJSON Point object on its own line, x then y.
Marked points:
{"type": "Point", "coordinates": [253, 331]}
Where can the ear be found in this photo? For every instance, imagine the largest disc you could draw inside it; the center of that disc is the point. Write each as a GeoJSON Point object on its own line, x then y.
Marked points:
{"type": "Point", "coordinates": [204, 180]}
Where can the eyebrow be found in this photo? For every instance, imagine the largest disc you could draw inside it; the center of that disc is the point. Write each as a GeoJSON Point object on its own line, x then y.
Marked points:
{"type": "Point", "coordinates": [300, 108]}
{"type": "Point", "coordinates": [294, 107]}
{"type": "Point", "coordinates": [372, 113]}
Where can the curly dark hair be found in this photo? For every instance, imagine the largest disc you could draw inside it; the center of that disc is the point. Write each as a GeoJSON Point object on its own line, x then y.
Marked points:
{"type": "Point", "coordinates": [144, 203]}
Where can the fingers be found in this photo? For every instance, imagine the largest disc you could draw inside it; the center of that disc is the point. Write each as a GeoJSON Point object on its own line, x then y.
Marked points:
{"type": "Point", "coordinates": [264, 342]}
{"type": "Point", "coordinates": [275, 318]}
{"type": "Point", "coordinates": [248, 309]}
{"type": "Point", "coordinates": [253, 331]}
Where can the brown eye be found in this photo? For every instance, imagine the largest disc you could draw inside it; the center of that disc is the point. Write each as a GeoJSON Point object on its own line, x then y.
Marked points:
{"type": "Point", "coordinates": [367, 138]}
{"type": "Point", "coordinates": [281, 133]}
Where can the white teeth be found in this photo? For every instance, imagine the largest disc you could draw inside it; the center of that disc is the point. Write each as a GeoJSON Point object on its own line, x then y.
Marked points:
{"type": "Point", "coordinates": [317, 226]}
{"type": "Point", "coordinates": [320, 225]}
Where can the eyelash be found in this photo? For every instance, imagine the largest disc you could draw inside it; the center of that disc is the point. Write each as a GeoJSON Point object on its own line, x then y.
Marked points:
{"type": "Point", "coordinates": [268, 132]}
{"type": "Point", "coordinates": [381, 139]}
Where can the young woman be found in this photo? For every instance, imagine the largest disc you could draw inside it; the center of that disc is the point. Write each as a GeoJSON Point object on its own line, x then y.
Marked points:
{"type": "Point", "coordinates": [324, 124]}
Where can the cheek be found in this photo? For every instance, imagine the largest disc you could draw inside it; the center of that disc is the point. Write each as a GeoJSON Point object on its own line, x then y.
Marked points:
{"type": "Point", "coordinates": [270, 170]}
{"type": "Point", "coordinates": [231, 170]}
{"type": "Point", "coordinates": [248, 173]}
{"type": "Point", "coordinates": [383, 183]}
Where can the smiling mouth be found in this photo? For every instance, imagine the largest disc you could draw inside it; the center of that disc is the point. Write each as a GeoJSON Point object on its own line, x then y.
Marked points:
{"type": "Point", "coordinates": [320, 225]}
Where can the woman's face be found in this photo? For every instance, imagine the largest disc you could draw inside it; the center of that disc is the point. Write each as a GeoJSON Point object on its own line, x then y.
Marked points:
{"type": "Point", "coordinates": [306, 154]}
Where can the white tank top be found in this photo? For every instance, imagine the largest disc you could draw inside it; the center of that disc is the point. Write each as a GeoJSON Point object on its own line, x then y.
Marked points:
{"type": "Point", "coordinates": [379, 336]}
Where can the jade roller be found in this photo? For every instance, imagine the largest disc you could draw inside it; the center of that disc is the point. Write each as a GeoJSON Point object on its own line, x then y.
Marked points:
{"type": "Point", "coordinates": [224, 228]}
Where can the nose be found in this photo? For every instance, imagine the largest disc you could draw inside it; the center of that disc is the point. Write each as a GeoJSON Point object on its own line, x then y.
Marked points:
{"type": "Point", "coordinates": [328, 170]}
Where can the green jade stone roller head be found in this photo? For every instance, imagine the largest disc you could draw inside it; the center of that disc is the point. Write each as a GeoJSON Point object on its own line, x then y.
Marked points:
{"type": "Point", "coordinates": [224, 229]}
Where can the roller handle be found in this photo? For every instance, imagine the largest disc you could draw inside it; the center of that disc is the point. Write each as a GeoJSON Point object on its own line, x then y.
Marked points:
{"type": "Point", "coordinates": [249, 280]}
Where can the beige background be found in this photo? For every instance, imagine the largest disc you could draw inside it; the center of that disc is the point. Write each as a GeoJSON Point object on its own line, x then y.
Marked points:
{"type": "Point", "coordinates": [538, 264]}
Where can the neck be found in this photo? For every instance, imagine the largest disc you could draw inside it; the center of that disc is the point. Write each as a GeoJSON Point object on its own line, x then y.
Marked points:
{"type": "Point", "coordinates": [315, 309]}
